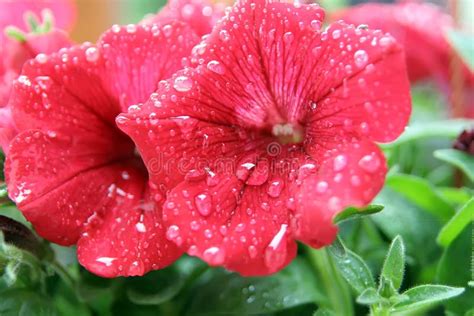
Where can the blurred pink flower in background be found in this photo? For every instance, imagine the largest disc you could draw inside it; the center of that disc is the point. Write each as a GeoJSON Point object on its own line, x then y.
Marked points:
{"type": "Point", "coordinates": [32, 36]}
{"type": "Point", "coordinates": [421, 28]}
{"type": "Point", "coordinates": [201, 15]}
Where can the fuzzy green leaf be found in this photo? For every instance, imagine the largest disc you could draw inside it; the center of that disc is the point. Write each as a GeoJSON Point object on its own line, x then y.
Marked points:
{"type": "Point", "coordinates": [394, 265]}
{"type": "Point", "coordinates": [426, 295]}
{"type": "Point", "coordinates": [352, 267]}
{"type": "Point", "coordinates": [369, 297]}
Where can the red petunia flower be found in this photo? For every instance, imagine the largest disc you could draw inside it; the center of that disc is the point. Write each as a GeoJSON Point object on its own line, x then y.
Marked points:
{"type": "Point", "coordinates": [201, 15]}
{"type": "Point", "coordinates": [71, 171]}
{"type": "Point", "coordinates": [42, 39]}
{"type": "Point", "coordinates": [271, 132]}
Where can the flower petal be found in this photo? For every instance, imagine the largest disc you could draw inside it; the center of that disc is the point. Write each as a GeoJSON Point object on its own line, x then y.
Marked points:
{"type": "Point", "coordinates": [419, 27]}
{"type": "Point", "coordinates": [126, 237]}
{"type": "Point", "coordinates": [349, 98]}
{"type": "Point", "coordinates": [171, 148]}
{"type": "Point", "coordinates": [48, 177]}
{"type": "Point", "coordinates": [243, 68]}
{"type": "Point", "coordinates": [349, 174]}
{"type": "Point", "coordinates": [138, 56]}
{"type": "Point", "coordinates": [224, 222]}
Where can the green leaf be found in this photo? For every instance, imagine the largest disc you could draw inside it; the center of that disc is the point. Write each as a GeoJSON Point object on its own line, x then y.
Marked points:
{"type": "Point", "coordinates": [221, 292]}
{"type": "Point", "coordinates": [458, 158]}
{"type": "Point", "coordinates": [161, 286]}
{"type": "Point", "coordinates": [426, 296]}
{"type": "Point", "coordinates": [417, 227]}
{"type": "Point", "coordinates": [16, 302]}
{"type": "Point", "coordinates": [454, 269]}
{"type": "Point", "coordinates": [423, 194]}
{"type": "Point", "coordinates": [448, 129]}
{"type": "Point", "coordinates": [456, 196]}
{"type": "Point", "coordinates": [464, 45]}
{"type": "Point", "coordinates": [354, 212]}
{"type": "Point", "coordinates": [352, 267]}
{"type": "Point", "coordinates": [369, 297]}
{"type": "Point", "coordinates": [457, 224]}
{"type": "Point", "coordinates": [332, 5]}
{"type": "Point", "coordinates": [394, 265]}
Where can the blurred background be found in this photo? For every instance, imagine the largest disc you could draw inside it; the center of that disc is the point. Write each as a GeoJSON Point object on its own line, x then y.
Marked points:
{"type": "Point", "coordinates": [95, 16]}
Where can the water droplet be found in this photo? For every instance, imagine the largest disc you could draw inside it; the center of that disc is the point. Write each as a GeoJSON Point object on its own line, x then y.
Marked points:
{"type": "Point", "coordinates": [116, 28]}
{"type": "Point", "coordinates": [131, 28]}
{"type": "Point", "coordinates": [275, 187]}
{"type": "Point", "coordinates": [183, 84]}
{"type": "Point", "coordinates": [203, 204]}
{"type": "Point", "coordinates": [92, 54]}
{"type": "Point", "coordinates": [106, 260]}
{"type": "Point", "coordinates": [172, 233]}
{"type": "Point", "coordinates": [275, 253]}
{"type": "Point", "coordinates": [167, 30]}
{"type": "Point", "coordinates": [370, 163]}
{"type": "Point", "coordinates": [41, 58]}
{"type": "Point", "coordinates": [288, 37]}
{"type": "Point", "coordinates": [334, 204]}
{"type": "Point", "coordinates": [322, 186]}
{"type": "Point", "coordinates": [361, 58]}
{"type": "Point", "coordinates": [316, 25]}
{"type": "Point", "coordinates": [355, 180]}
{"type": "Point", "coordinates": [140, 227]}
{"type": "Point", "coordinates": [336, 34]}
{"type": "Point", "coordinates": [224, 35]}
{"type": "Point", "coordinates": [214, 255]}
{"type": "Point", "coordinates": [340, 162]}
{"type": "Point", "coordinates": [252, 251]}
{"type": "Point", "coordinates": [216, 67]}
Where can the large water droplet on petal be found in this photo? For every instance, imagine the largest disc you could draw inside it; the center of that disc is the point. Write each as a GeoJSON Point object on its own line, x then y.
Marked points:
{"type": "Point", "coordinates": [183, 84]}
{"type": "Point", "coordinates": [92, 54]}
{"type": "Point", "coordinates": [203, 204]}
{"type": "Point", "coordinates": [276, 252]}
{"type": "Point", "coordinates": [216, 67]}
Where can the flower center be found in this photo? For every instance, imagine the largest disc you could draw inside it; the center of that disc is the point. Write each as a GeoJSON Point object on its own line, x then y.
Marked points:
{"type": "Point", "coordinates": [288, 133]}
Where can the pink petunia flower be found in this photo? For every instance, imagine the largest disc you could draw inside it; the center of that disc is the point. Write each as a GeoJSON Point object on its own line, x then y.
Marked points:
{"type": "Point", "coordinates": [201, 15]}
{"type": "Point", "coordinates": [12, 12]}
{"type": "Point", "coordinates": [271, 132]}
{"type": "Point", "coordinates": [74, 175]}
{"type": "Point", "coordinates": [42, 38]}
{"type": "Point", "coordinates": [419, 27]}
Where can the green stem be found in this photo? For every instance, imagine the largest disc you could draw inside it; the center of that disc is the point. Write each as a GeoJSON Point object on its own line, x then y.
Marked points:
{"type": "Point", "coordinates": [59, 269]}
{"type": "Point", "coordinates": [336, 289]}
{"type": "Point", "coordinates": [379, 310]}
